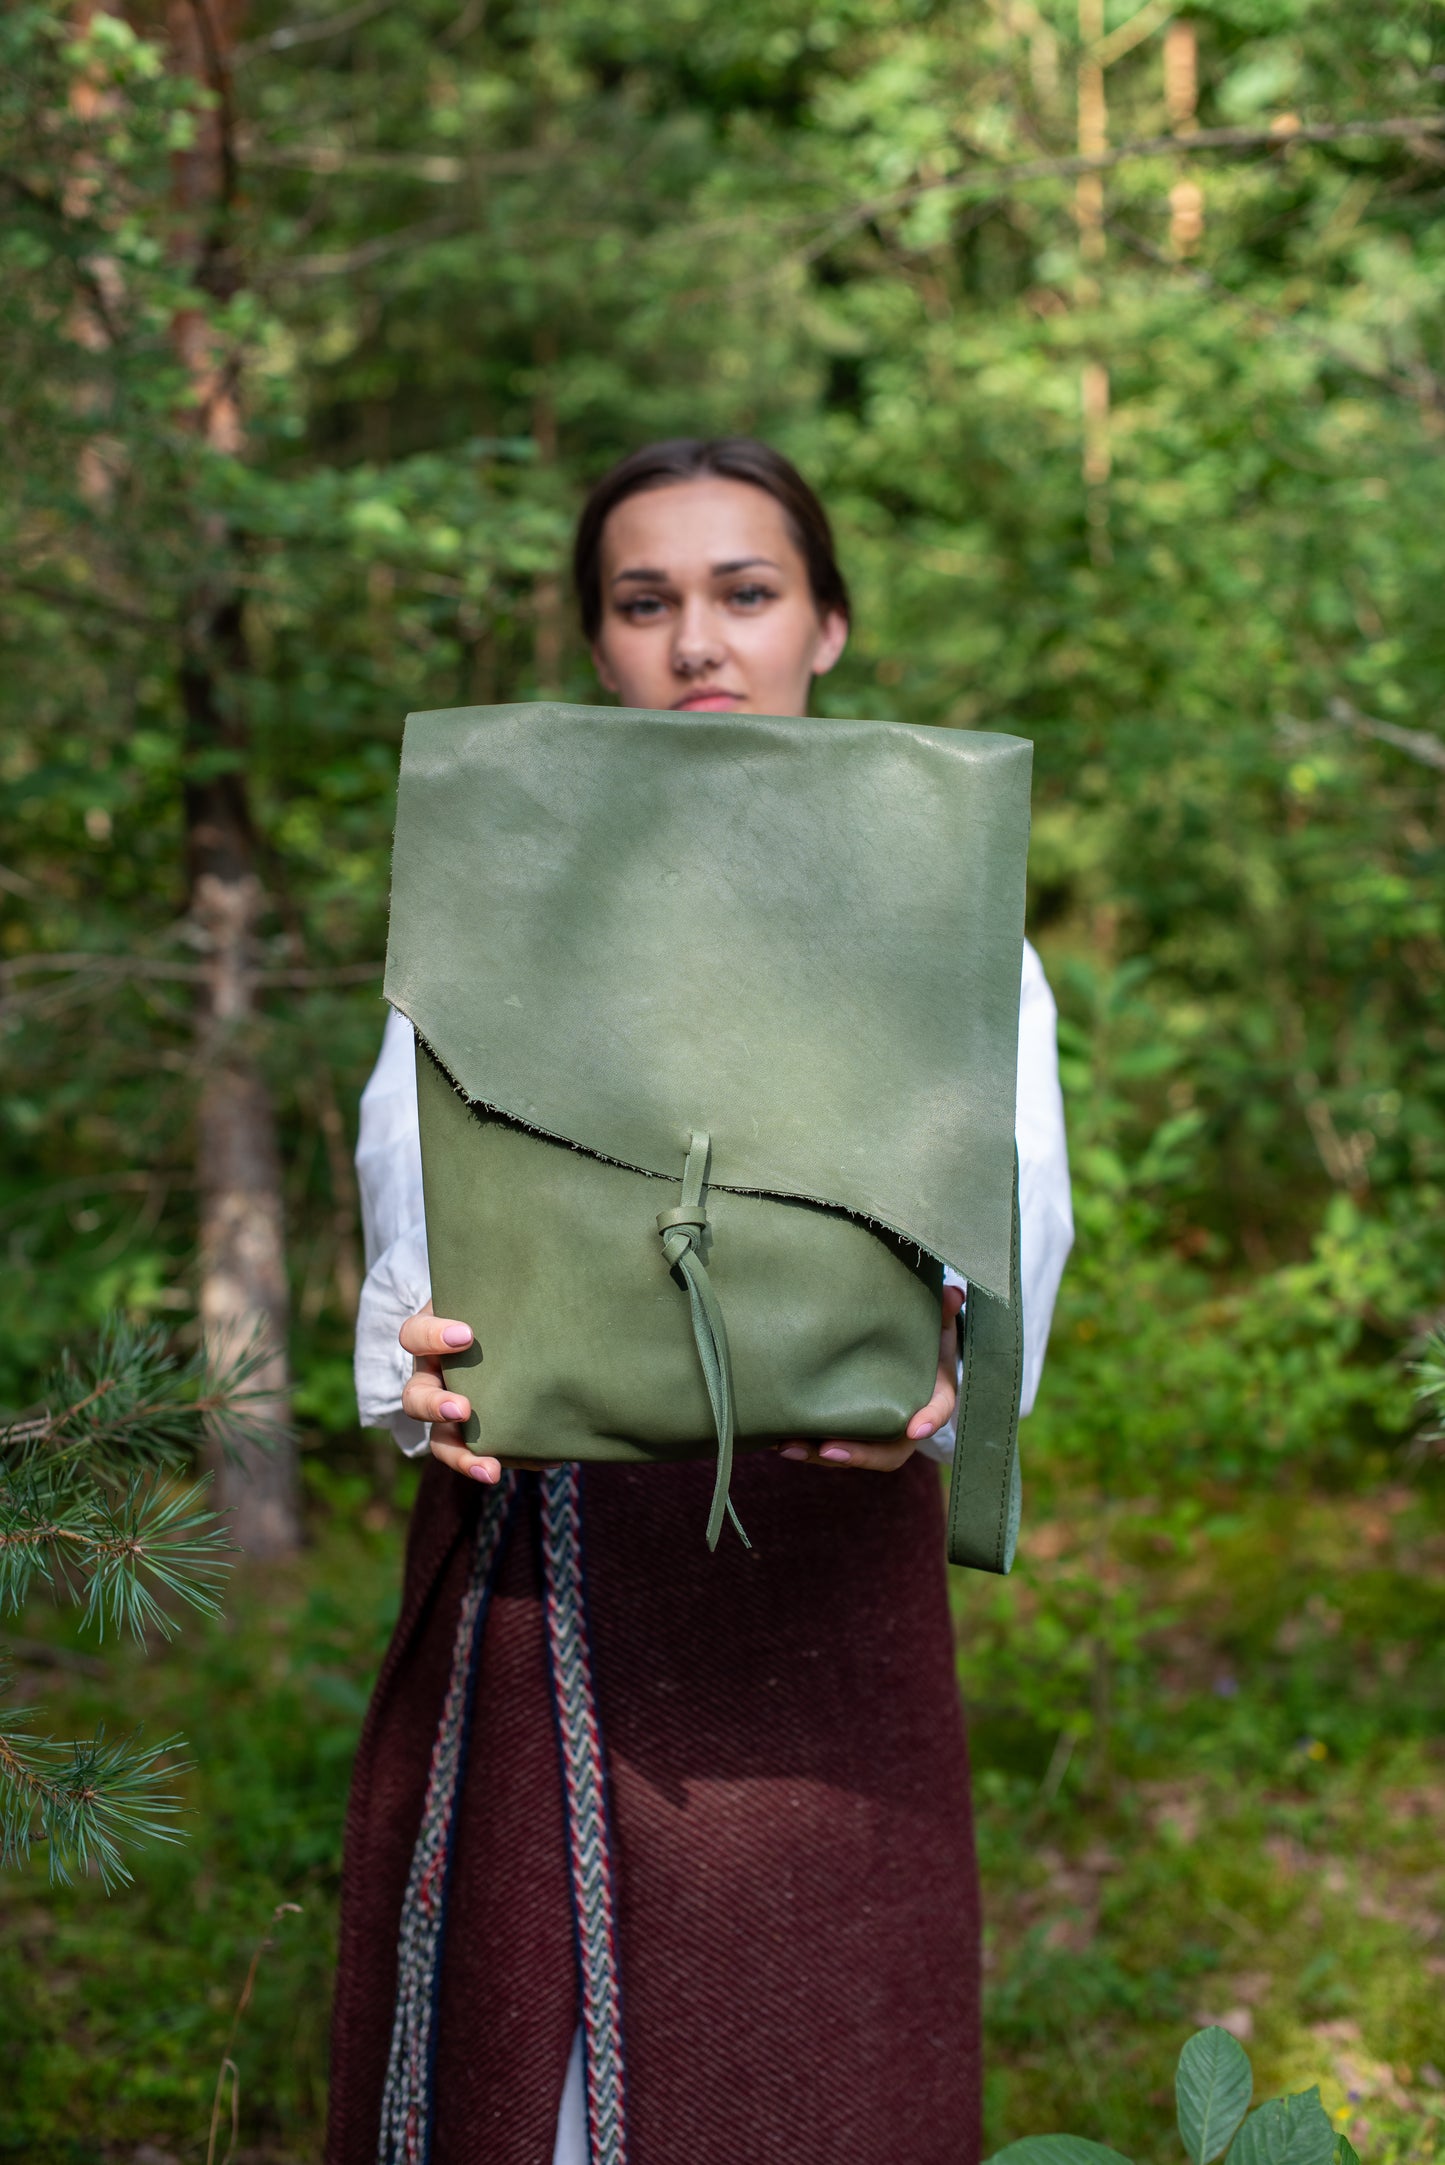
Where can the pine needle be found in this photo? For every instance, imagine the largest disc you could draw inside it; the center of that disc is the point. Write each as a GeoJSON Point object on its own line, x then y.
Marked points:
{"type": "Point", "coordinates": [100, 1507]}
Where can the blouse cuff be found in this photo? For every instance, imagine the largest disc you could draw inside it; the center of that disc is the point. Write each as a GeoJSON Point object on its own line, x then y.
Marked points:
{"type": "Point", "coordinates": [396, 1286]}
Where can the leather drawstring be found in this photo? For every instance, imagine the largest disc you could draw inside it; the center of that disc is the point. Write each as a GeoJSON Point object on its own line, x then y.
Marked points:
{"type": "Point", "coordinates": [682, 1230]}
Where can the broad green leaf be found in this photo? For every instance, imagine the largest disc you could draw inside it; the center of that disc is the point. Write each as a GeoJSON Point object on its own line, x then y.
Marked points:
{"type": "Point", "coordinates": [1345, 2151]}
{"type": "Point", "coordinates": [1213, 2085]}
{"type": "Point", "coordinates": [1056, 2150]}
{"type": "Point", "coordinates": [1286, 2131]}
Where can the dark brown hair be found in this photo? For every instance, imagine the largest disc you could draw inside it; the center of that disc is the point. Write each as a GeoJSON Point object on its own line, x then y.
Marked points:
{"type": "Point", "coordinates": [684, 458]}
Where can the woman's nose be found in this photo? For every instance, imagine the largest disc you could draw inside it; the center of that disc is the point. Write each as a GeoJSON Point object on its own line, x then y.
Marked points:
{"type": "Point", "coordinates": [696, 644]}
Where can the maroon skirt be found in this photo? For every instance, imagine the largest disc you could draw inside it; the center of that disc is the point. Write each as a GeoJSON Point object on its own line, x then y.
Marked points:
{"type": "Point", "coordinates": [715, 1808]}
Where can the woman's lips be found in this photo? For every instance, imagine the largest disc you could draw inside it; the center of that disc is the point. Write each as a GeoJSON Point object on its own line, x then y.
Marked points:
{"type": "Point", "coordinates": [713, 702]}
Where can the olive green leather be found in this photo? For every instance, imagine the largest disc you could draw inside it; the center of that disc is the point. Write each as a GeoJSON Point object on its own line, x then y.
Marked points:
{"type": "Point", "coordinates": [802, 937]}
{"type": "Point", "coordinates": [584, 1346]}
{"type": "Point", "coordinates": [618, 933]}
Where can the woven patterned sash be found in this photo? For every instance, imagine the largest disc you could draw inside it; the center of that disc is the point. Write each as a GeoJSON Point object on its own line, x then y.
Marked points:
{"type": "Point", "coordinates": [406, 2113]}
{"type": "Point", "coordinates": [584, 1776]}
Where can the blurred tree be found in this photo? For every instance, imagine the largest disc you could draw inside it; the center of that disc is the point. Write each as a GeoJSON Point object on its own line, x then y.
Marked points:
{"type": "Point", "coordinates": [242, 1261]}
{"type": "Point", "coordinates": [242, 1246]}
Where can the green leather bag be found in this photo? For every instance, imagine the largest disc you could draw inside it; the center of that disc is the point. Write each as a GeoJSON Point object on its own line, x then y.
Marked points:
{"type": "Point", "coordinates": [717, 1024]}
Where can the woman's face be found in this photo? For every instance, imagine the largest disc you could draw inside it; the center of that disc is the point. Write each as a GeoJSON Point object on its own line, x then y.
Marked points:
{"type": "Point", "coordinates": [706, 603]}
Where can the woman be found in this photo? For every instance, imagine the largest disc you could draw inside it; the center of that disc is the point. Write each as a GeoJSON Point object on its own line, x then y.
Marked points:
{"type": "Point", "coordinates": [777, 1888]}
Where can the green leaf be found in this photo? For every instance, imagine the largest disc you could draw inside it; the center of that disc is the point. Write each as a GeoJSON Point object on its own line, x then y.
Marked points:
{"type": "Point", "coordinates": [1055, 2150]}
{"type": "Point", "coordinates": [1287, 2131]}
{"type": "Point", "coordinates": [1213, 2085]}
{"type": "Point", "coordinates": [1345, 2151]}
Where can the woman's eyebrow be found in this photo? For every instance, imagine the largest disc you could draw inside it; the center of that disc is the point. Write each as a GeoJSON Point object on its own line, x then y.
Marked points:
{"type": "Point", "coordinates": [646, 574]}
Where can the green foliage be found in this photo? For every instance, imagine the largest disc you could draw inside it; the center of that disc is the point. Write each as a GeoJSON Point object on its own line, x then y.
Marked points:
{"type": "Point", "coordinates": [1054, 2150]}
{"type": "Point", "coordinates": [86, 1801]}
{"type": "Point", "coordinates": [1212, 2086]}
{"type": "Point", "coordinates": [1286, 2131]}
{"type": "Point", "coordinates": [98, 1507]}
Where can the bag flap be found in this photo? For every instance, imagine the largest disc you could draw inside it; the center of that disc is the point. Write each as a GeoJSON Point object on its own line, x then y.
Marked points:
{"type": "Point", "coordinates": [803, 937]}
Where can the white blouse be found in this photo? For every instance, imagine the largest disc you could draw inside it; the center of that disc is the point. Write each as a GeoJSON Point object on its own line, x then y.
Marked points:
{"type": "Point", "coordinates": [398, 1279]}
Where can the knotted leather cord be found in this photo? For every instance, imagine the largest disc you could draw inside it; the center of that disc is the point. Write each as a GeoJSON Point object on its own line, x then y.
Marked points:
{"type": "Point", "coordinates": [682, 1230]}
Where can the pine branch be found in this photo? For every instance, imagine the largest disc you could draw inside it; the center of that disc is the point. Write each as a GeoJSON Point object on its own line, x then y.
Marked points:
{"type": "Point", "coordinates": [134, 1403]}
{"type": "Point", "coordinates": [85, 1801]}
{"type": "Point", "coordinates": [99, 1507]}
{"type": "Point", "coordinates": [157, 1532]}
{"type": "Point", "coordinates": [1429, 1373]}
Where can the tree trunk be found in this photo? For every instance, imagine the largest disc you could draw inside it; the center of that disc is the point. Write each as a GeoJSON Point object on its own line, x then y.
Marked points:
{"type": "Point", "coordinates": [243, 1287]}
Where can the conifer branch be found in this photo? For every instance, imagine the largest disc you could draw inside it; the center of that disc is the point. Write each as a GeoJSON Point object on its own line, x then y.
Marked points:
{"type": "Point", "coordinates": [100, 1507]}
{"type": "Point", "coordinates": [1429, 1374]}
{"type": "Point", "coordinates": [86, 1801]}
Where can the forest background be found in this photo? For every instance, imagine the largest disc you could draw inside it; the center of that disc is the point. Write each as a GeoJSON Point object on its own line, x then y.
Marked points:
{"type": "Point", "coordinates": [1113, 338]}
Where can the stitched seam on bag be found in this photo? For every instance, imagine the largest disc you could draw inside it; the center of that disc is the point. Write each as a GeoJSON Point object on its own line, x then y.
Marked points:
{"type": "Point", "coordinates": [727, 1187]}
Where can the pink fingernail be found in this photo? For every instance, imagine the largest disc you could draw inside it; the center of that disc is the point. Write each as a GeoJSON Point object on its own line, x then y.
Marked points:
{"type": "Point", "coordinates": [793, 1450]}
{"type": "Point", "coordinates": [453, 1410]}
{"type": "Point", "coordinates": [479, 1472]}
{"type": "Point", "coordinates": [836, 1455]}
{"type": "Point", "coordinates": [917, 1434]}
{"type": "Point", "coordinates": [456, 1334]}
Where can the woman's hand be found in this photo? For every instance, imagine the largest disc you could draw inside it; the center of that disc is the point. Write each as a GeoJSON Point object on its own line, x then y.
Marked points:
{"type": "Point", "coordinates": [429, 1339]}
{"type": "Point", "coordinates": [888, 1457]}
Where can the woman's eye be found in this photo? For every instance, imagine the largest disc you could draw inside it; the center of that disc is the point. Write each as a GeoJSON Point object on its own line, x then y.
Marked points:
{"type": "Point", "coordinates": [750, 597]}
{"type": "Point", "coordinates": [642, 609]}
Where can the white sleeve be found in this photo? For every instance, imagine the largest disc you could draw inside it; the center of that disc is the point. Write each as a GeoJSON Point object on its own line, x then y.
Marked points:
{"type": "Point", "coordinates": [1046, 1211]}
{"type": "Point", "coordinates": [393, 1219]}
